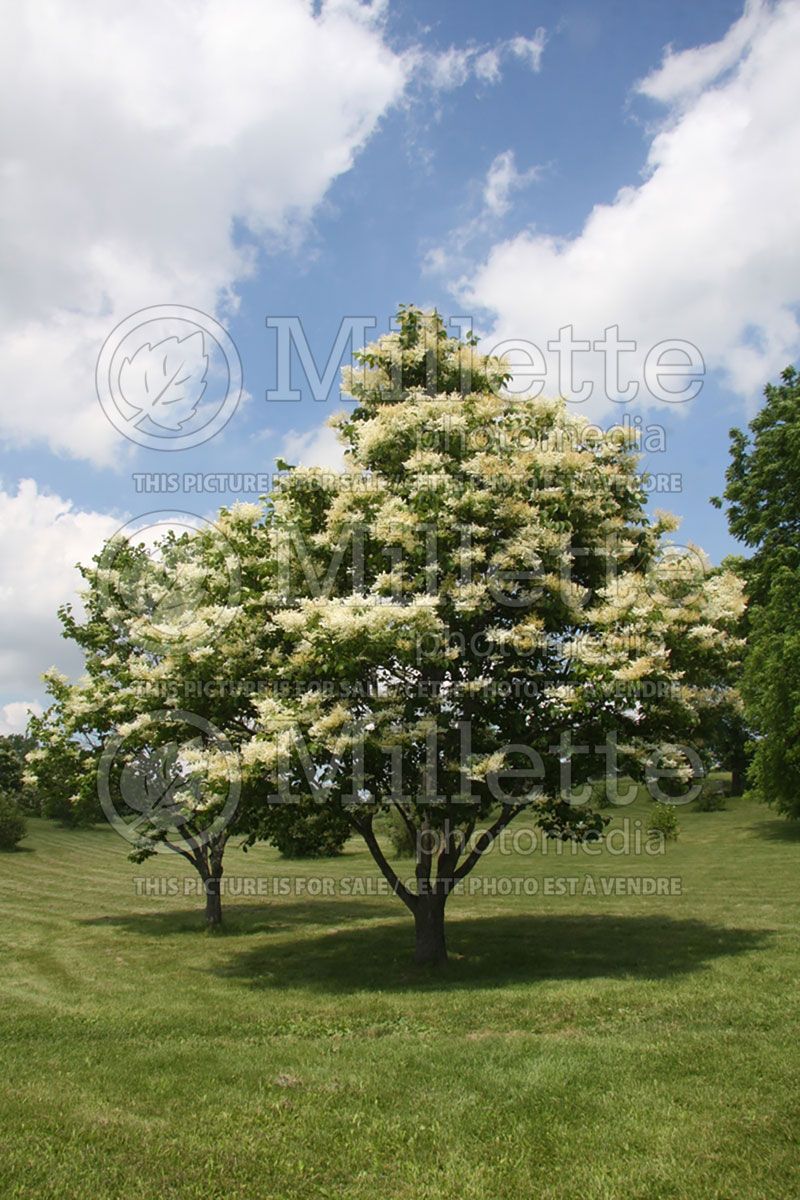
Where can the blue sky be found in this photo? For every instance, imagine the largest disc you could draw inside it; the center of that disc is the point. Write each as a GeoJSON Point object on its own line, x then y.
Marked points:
{"type": "Point", "coordinates": [284, 175]}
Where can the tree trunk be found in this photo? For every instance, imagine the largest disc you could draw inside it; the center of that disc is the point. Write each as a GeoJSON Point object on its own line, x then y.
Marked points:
{"type": "Point", "coordinates": [213, 901]}
{"type": "Point", "coordinates": [431, 948]}
{"type": "Point", "coordinates": [738, 773]}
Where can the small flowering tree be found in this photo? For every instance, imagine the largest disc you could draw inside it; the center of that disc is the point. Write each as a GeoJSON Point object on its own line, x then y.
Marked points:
{"type": "Point", "coordinates": [177, 643]}
{"type": "Point", "coordinates": [142, 738]}
{"type": "Point", "coordinates": [468, 615]}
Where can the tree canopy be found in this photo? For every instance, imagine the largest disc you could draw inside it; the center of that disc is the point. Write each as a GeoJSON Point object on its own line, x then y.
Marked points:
{"type": "Point", "coordinates": [476, 617]}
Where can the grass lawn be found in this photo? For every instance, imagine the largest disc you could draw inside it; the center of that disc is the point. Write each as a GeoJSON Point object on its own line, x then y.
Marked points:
{"type": "Point", "coordinates": [586, 1046]}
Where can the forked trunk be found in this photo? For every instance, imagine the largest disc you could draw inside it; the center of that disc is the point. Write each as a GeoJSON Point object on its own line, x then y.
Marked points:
{"type": "Point", "coordinates": [431, 948]}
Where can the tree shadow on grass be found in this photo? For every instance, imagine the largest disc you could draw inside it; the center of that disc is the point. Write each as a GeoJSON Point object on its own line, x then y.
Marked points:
{"type": "Point", "coordinates": [487, 951]}
{"type": "Point", "coordinates": [245, 919]}
{"type": "Point", "coordinates": [338, 945]}
{"type": "Point", "coordinates": [780, 830]}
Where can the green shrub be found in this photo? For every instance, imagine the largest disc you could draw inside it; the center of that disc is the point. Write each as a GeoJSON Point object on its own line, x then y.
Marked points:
{"type": "Point", "coordinates": [403, 841]}
{"type": "Point", "coordinates": [712, 798]}
{"type": "Point", "coordinates": [12, 823]}
{"type": "Point", "coordinates": [600, 797]}
{"type": "Point", "coordinates": [664, 820]}
{"type": "Point", "coordinates": [309, 832]}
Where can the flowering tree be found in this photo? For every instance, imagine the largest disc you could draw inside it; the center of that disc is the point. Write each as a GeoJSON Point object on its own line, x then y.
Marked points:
{"type": "Point", "coordinates": [120, 741]}
{"type": "Point", "coordinates": [176, 645]}
{"type": "Point", "coordinates": [468, 614]}
{"type": "Point", "coordinates": [475, 618]}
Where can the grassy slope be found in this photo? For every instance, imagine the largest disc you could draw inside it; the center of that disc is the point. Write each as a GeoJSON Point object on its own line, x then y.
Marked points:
{"type": "Point", "coordinates": [577, 1047]}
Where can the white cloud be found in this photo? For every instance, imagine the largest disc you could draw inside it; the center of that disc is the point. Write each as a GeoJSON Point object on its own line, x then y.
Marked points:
{"type": "Point", "coordinates": [490, 200]}
{"type": "Point", "coordinates": [444, 70]}
{"type": "Point", "coordinates": [502, 179]}
{"type": "Point", "coordinates": [487, 65]}
{"type": "Point", "coordinates": [14, 716]}
{"type": "Point", "coordinates": [687, 72]}
{"type": "Point", "coordinates": [141, 135]}
{"type": "Point", "coordinates": [449, 68]}
{"type": "Point", "coordinates": [707, 247]}
{"type": "Point", "coordinates": [42, 537]}
{"type": "Point", "coordinates": [530, 49]}
{"type": "Point", "coordinates": [318, 447]}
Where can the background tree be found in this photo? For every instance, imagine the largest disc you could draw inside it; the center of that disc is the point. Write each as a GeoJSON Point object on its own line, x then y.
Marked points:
{"type": "Point", "coordinates": [61, 764]}
{"type": "Point", "coordinates": [12, 823]}
{"type": "Point", "coordinates": [762, 490]}
{"type": "Point", "coordinates": [771, 690]}
{"type": "Point", "coordinates": [11, 767]}
{"type": "Point", "coordinates": [763, 509]}
{"type": "Point", "coordinates": [13, 749]}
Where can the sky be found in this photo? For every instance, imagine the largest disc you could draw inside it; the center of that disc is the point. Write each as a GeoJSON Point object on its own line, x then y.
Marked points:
{"type": "Point", "coordinates": [219, 166]}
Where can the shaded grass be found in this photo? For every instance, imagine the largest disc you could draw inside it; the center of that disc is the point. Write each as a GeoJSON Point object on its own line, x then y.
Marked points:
{"type": "Point", "coordinates": [577, 1046]}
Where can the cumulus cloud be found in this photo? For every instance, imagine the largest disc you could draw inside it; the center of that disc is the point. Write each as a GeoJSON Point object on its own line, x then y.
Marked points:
{"type": "Point", "coordinates": [155, 149]}
{"type": "Point", "coordinates": [42, 537]}
{"type": "Point", "coordinates": [143, 136]}
{"type": "Point", "coordinates": [684, 73]}
{"type": "Point", "coordinates": [318, 447]}
{"type": "Point", "coordinates": [14, 716]}
{"type": "Point", "coordinates": [706, 248]}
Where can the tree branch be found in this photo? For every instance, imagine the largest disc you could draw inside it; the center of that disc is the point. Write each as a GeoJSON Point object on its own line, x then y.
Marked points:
{"type": "Point", "coordinates": [487, 838]}
{"type": "Point", "coordinates": [399, 888]}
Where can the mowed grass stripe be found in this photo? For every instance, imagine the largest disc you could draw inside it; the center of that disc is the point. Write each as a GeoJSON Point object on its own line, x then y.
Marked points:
{"type": "Point", "coordinates": [577, 1046]}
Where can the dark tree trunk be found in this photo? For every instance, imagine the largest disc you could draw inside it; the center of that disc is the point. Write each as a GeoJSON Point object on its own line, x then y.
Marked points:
{"type": "Point", "coordinates": [431, 948]}
{"type": "Point", "coordinates": [213, 901]}
{"type": "Point", "coordinates": [738, 773]}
